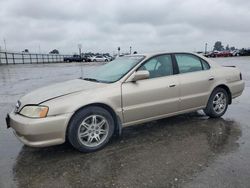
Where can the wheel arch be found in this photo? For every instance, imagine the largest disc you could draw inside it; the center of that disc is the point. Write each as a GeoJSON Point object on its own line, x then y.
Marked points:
{"type": "Point", "coordinates": [223, 86]}
{"type": "Point", "coordinates": [117, 120]}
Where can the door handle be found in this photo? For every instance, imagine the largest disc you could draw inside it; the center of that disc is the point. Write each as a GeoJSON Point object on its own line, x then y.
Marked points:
{"type": "Point", "coordinates": [211, 78]}
{"type": "Point", "coordinates": [172, 85]}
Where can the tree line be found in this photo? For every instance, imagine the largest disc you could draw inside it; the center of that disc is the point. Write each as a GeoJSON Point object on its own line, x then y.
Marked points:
{"type": "Point", "coordinates": [219, 47]}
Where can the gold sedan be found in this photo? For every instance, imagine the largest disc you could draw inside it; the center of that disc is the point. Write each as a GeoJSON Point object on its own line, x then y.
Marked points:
{"type": "Point", "coordinates": [127, 91]}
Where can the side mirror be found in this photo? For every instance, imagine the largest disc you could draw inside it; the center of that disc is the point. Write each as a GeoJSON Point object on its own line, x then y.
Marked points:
{"type": "Point", "coordinates": [140, 75]}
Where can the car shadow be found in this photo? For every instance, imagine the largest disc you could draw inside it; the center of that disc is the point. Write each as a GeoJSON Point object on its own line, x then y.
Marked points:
{"type": "Point", "coordinates": [160, 153]}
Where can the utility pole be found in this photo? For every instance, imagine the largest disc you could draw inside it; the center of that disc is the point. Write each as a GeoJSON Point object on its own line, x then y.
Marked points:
{"type": "Point", "coordinates": [5, 44]}
{"type": "Point", "coordinates": [205, 48]}
{"type": "Point", "coordinates": [80, 49]}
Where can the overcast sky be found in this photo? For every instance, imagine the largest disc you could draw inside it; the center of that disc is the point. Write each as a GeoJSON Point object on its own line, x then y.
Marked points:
{"type": "Point", "coordinates": [102, 26]}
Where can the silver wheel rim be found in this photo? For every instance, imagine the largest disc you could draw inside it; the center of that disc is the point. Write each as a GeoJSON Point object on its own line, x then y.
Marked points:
{"type": "Point", "coordinates": [93, 130]}
{"type": "Point", "coordinates": [219, 102]}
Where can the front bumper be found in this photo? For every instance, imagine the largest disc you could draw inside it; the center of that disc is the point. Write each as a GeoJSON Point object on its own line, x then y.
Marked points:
{"type": "Point", "coordinates": [39, 132]}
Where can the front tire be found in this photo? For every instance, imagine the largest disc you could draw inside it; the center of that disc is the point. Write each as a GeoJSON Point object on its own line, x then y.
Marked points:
{"type": "Point", "coordinates": [217, 103]}
{"type": "Point", "coordinates": [90, 129]}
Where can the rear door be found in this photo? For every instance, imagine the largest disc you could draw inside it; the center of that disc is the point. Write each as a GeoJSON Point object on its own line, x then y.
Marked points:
{"type": "Point", "coordinates": [195, 81]}
{"type": "Point", "coordinates": [152, 97]}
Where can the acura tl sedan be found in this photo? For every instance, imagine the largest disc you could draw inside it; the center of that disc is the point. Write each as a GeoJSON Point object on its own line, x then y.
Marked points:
{"type": "Point", "coordinates": [130, 90]}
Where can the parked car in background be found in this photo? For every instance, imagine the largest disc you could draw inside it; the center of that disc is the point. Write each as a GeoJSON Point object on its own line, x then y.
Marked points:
{"type": "Point", "coordinates": [245, 52]}
{"type": "Point", "coordinates": [99, 58]}
{"type": "Point", "coordinates": [219, 54]}
{"type": "Point", "coordinates": [88, 58]}
{"type": "Point", "coordinates": [108, 57]}
{"type": "Point", "coordinates": [225, 54]}
{"type": "Point", "coordinates": [235, 53]}
{"type": "Point", "coordinates": [212, 54]}
{"type": "Point", "coordinates": [74, 58]}
{"type": "Point", "coordinates": [127, 91]}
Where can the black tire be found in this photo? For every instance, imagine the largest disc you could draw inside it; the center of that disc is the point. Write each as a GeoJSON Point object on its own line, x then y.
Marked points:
{"type": "Point", "coordinates": [77, 119]}
{"type": "Point", "coordinates": [210, 109]}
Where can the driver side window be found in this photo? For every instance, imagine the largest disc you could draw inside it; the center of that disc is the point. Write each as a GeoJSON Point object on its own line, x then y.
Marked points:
{"type": "Point", "coordinates": [158, 66]}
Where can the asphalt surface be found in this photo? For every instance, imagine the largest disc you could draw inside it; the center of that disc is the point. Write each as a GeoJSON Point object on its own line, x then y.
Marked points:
{"type": "Point", "coordinates": [189, 150]}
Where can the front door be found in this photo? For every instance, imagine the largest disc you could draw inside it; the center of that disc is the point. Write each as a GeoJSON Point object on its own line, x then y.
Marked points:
{"type": "Point", "coordinates": [153, 97]}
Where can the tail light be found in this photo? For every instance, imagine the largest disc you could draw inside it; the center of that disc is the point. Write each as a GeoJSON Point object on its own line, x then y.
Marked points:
{"type": "Point", "coordinates": [240, 76]}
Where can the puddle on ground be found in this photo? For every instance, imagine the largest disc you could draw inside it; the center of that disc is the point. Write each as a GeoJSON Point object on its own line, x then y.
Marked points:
{"type": "Point", "coordinates": [159, 153]}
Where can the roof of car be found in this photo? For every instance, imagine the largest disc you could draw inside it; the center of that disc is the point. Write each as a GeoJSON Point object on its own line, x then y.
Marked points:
{"type": "Point", "coordinates": [159, 53]}
{"type": "Point", "coordinates": [148, 55]}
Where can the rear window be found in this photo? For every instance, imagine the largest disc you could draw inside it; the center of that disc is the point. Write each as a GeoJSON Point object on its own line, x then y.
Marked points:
{"type": "Point", "coordinates": [206, 66]}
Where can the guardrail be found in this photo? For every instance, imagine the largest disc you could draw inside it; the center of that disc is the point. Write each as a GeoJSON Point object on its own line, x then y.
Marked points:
{"type": "Point", "coordinates": [29, 58]}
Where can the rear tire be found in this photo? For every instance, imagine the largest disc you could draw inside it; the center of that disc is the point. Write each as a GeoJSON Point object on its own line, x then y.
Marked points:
{"type": "Point", "coordinates": [217, 103]}
{"type": "Point", "coordinates": [90, 129]}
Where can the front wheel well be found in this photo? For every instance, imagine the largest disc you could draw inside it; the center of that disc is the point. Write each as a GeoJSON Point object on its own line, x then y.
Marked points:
{"type": "Point", "coordinates": [227, 90]}
{"type": "Point", "coordinates": [117, 121]}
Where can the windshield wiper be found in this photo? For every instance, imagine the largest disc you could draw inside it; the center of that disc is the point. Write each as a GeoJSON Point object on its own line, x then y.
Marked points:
{"type": "Point", "coordinates": [91, 79]}
{"type": "Point", "coordinates": [94, 80]}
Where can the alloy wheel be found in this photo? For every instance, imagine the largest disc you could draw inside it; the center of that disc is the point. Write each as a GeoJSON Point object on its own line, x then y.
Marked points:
{"type": "Point", "coordinates": [93, 130]}
{"type": "Point", "coordinates": [219, 102]}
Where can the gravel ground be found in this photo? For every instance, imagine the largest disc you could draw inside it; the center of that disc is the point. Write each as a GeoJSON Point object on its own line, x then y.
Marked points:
{"type": "Point", "coordinates": [189, 150]}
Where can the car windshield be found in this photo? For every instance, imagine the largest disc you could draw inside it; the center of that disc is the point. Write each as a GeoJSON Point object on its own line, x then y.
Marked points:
{"type": "Point", "coordinates": [114, 70]}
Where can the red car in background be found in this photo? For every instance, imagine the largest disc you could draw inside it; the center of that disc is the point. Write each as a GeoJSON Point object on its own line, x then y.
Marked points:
{"type": "Point", "coordinates": [225, 54]}
{"type": "Point", "coordinates": [219, 54]}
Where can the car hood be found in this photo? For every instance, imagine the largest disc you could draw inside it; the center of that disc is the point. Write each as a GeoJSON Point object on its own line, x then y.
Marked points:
{"type": "Point", "coordinates": [57, 90]}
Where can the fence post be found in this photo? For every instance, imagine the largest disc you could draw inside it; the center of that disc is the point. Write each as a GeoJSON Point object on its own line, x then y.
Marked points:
{"type": "Point", "coordinates": [6, 58]}
{"type": "Point", "coordinates": [22, 58]}
{"type": "Point", "coordinates": [48, 57]}
{"type": "Point", "coordinates": [13, 58]}
{"type": "Point", "coordinates": [30, 59]}
{"type": "Point", "coordinates": [36, 59]}
{"type": "Point", "coordinates": [43, 58]}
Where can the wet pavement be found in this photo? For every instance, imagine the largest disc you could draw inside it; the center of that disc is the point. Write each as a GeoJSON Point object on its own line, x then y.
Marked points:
{"type": "Point", "coordinates": [189, 150]}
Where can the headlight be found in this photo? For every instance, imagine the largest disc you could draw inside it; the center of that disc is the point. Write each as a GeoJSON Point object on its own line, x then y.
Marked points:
{"type": "Point", "coordinates": [35, 111]}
